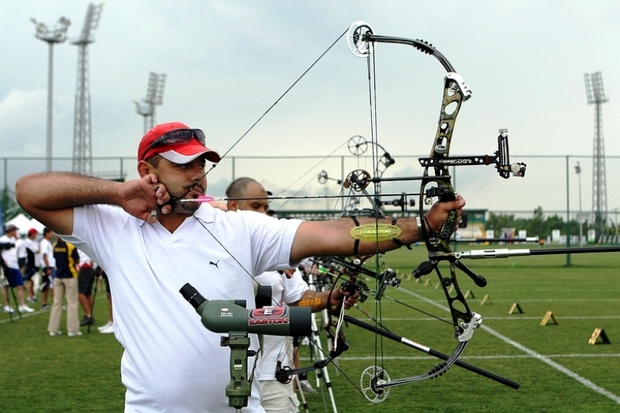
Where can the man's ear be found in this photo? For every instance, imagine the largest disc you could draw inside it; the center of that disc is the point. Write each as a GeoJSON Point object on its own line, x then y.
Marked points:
{"type": "Point", "coordinates": [232, 205]}
{"type": "Point", "coordinates": [144, 168]}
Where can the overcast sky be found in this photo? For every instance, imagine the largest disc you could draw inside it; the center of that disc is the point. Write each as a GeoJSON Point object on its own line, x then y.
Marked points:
{"type": "Point", "coordinates": [227, 62]}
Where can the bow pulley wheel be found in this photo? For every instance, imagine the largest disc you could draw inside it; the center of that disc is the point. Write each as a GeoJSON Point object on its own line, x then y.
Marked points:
{"type": "Point", "coordinates": [355, 39]}
{"type": "Point", "coordinates": [357, 145]}
{"type": "Point", "coordinates": [358, 180]}
{"type": "Point", "coordinates": [370, 378]}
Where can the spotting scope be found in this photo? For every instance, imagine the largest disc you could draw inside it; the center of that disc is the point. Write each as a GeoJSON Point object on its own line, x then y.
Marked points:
{"type": "Point", "coordinates": [224, 316]}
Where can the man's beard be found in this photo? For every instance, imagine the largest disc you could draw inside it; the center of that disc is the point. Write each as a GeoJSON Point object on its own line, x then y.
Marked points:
{"type": "Point", "coordinates": [188, 208]}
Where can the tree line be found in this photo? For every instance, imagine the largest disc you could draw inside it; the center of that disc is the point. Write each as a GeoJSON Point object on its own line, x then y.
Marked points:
{"type": "Point", "coordinates": [542, 225]}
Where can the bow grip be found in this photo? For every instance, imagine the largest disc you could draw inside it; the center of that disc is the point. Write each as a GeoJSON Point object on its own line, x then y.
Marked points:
{"type": "Point", "coordinates": [445, 233]}
{"type": "Point", "coordinates": [445, 194]}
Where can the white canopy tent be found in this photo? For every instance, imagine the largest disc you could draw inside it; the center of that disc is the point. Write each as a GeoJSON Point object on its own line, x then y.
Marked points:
{"type": "Point", "coordinates": [23, 223]}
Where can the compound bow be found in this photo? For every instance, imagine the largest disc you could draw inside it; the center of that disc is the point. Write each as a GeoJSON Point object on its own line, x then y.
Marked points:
{"type": "Point", "coordinates": [436, 183]}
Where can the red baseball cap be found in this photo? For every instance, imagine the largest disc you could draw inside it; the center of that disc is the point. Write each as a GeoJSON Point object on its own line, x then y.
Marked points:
{"type": "Point", "coordinates": [32, 231]}
{"type": "Point", "coordinates": [179, 151]}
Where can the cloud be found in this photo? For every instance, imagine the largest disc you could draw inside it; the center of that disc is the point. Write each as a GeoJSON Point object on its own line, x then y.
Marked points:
{"type": "Point", "coordinates": [22, 114]}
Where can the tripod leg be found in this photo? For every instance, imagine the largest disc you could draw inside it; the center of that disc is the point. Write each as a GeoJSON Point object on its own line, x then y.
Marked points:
{"type": "Point", "coordinates": [301, 393]}
{"type": "Point", "coordinates": [323, 373]}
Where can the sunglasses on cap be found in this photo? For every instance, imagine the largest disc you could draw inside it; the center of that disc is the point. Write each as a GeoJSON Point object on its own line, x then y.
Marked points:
{"type": "Point", "coordinates": [177, 136]}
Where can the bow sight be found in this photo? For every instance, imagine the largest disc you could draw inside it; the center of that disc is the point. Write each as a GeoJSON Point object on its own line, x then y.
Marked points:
{"type": "Point", "coordinates": [501, 159]}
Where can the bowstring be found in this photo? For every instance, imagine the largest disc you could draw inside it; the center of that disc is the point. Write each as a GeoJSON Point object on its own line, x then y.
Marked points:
{"type": "Point", "coordinates": [230, 254]}
{"type": "Point", "coordinates": [374, 138]}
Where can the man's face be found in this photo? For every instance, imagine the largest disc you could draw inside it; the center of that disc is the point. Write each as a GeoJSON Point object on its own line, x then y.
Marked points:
{"type": "Point", "coordinates": [257, 199]}
{"type": "Point", "coordinates": [183, 181]}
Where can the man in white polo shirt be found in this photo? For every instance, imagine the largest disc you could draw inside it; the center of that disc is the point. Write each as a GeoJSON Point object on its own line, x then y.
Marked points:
{"type": "Point", "coordinates": [162, 237]}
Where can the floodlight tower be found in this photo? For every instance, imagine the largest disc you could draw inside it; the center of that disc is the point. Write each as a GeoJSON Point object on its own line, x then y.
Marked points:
{"type": "Point", "coordinates": [580, 215]}
{"type": "Point", "coordinates": [82, 133]}
{"type": "Point", "coordinates": [596, 97]}
{"type": "Point", "coordinates": [51, 36]}
{"type": "Point", "coordinates": [154, 97]}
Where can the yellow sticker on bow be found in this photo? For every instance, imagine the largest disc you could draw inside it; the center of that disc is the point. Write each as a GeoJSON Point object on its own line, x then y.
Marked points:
{"type": "Point", "coordinates": [375, 232]}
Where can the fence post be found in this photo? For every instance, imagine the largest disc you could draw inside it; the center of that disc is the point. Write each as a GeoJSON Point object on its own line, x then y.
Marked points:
{"type": "Point", "coordinates": [568, 263]}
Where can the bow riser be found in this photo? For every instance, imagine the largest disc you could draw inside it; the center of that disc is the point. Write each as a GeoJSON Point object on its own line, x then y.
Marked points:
{"type": "Point", "coordinates": [455, 93]}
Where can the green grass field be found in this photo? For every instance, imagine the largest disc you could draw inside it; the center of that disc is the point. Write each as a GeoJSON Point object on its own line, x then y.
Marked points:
{"type": "Point", "coordinates": [557, 369]}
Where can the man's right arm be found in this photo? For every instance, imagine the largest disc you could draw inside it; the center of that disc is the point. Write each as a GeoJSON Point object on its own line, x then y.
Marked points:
{"type": "Point", "coordinates": [50, 197]}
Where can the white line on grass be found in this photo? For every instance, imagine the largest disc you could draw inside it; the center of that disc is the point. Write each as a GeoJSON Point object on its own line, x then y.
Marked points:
{"type": "Point", "coordinates": [531, 353]}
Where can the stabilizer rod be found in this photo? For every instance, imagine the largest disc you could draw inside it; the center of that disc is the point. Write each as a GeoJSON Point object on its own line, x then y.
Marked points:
{"type": "Point", "coordinates": [505, 253]}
